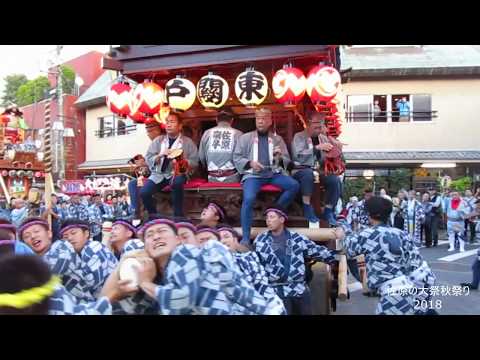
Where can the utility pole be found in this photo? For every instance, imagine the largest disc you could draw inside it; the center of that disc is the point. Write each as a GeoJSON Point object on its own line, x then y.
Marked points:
{"type": "Point", "coordinates": [61, 170]}
{"type": "Point", "coordinates": [59, 135]}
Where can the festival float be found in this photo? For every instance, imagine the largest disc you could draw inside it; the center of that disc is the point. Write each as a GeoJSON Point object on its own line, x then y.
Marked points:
{"type": "Point", "coordinates": [197, 81]}
{"type": "Point", "coordinates": [21, 167]}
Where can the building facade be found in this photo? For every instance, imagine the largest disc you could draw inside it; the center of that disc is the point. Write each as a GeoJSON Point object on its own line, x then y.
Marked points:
{"type": "Point", "coordinates": [441, 85]}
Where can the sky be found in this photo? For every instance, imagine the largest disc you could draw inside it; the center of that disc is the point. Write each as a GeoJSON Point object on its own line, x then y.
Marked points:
{"type": "Point", "coordinates": [31, 59]}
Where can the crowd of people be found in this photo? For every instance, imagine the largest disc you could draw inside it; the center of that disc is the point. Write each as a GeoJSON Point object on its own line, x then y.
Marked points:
{"type": "Point", "coordinates": [422, 215]}
{"type": "Point", "coordinates": [169, 265]}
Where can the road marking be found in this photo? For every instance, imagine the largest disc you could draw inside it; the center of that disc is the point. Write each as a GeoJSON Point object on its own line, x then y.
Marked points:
{"type": "Point", "coordinates": [457, 256]}
{"type": "Point", "coordinates": [440, 242]}
{"type": "Point", "coordinates": [355, 286]}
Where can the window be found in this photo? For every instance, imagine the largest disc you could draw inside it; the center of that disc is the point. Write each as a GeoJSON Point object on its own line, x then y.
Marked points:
{"type": "Point", "coordinates": [422, 107]}
{"type": "Point", "coordinates": [359, 108]}
{"type": "Point", "coordinates": [113, 126]}
{"type": "Point", "coordinates": [390, 108]}
{"type": "Point", "coordinates": [401, 108]}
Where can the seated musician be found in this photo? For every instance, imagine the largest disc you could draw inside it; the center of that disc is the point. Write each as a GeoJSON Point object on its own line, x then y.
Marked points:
{"type": "Point", "coordinates": [262, 158]}
{"type": "Point", "coordinates": [308, 152]}
{"type": "Point", "coordinates": [141, 170]}
{"type": "Point", "coordinates": [216, 149]}
{"type": "Point", "coordinates": [162, 167]}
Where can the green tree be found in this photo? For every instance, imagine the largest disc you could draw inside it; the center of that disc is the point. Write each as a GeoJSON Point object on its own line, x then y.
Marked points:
{"type": "Point", "coordinates": [32, 91]}
{"type": "Point", "coordinates": [354, 187]}
{"type": "Point", "coordinates": [462, 184]}
{"type": "Point", "coordinates": [400, 179]}
{"type": "Point", "coordinates": [12, 83]}
{"type": "Point", "coordinates": [68, 79]}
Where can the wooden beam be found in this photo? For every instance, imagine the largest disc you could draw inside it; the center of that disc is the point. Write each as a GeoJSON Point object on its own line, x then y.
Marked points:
{"type": "Point", "coordinates": [111, 64]}
{"type": "Point", "coordinates": [342, 278]}
{"type": "Point", "coordinates": [317, 235]}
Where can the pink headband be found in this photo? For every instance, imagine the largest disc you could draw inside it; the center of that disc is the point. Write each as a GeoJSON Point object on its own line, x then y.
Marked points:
{"type": "Point", "coordinates": [279, 212]}
{"type": "Point", "coordinates": [219, 211]}
{"type": "Point", "coordinates": [187, 225]}
{"type": "Point", "coordinates": [74, 226]}
{"type": "Point", "coordinates": [232, 230]}
{"type": "Point", "coordinates": [8, 227]}
{"type": "Point", "coordinates": [170, 223]}
{"type": "Point", "coordinates": [31, 223]}
{"type": "Point", "coordinates": [127, 225]}
{"type": "Point", "coordinates": [7, 242]}
{"type": "Point", "coordinates": [210, 230]}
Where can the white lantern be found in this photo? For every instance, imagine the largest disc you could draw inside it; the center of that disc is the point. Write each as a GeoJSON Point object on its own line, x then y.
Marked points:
{"type": "Point", "coordinates": [212, 91]}
{"type": "Point", "coordinates": [251, 88]}
{"type": "Point", "coordinates": [180, 94]}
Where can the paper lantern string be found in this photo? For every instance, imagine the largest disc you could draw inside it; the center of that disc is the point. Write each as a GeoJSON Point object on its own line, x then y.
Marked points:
{"type": "Point", "coordinates": [29, 297]}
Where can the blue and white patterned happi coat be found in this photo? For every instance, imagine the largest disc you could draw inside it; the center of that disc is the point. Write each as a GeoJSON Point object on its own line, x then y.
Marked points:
{"type": "Point", "coordinates": [109, 211]}
{"type": "Point", "coordinates": [132, 245]}
{"type": "Point", "coordinates": [419, 218]}
{"type": "Point", "coordinates": [206, 281]}
{"type": "Point", "coordinates": [84, 274]}
{"type": "Point", "coordinates": [389, 254]}
{"type": "Point", "coordinates": [249, 264]}
{"type": "Point", "coordinates": [63, 303]}
{"type": "Point", "coordinates": [95, 219]}
{"type": "Point", "coordinates": [298, 248]}
{"type": "Point", "coordinates": [78, 211]}
{"type": "Point", "coordinates": [140, 303]}
{"type": "Point", "coordinates": [361, 214]}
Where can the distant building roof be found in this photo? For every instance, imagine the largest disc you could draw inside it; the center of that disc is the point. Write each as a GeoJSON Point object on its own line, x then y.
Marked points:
{"type": "Point", "coordinates": [411, 60]}
{"type": "Point", "coordinates": [417, 156]}
{"type": "Point", "coordinates": [95, 94]}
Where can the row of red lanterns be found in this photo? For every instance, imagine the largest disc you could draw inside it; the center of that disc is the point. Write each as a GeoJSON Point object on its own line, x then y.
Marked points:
{"type": "Point", "coordinates": [289, 85]}
{"type": "Point", "coordinates": [22, 173]}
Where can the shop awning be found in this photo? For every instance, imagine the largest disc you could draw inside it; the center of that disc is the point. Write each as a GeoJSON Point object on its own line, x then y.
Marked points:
{"type": "Point", "coordinates": [396, 157]}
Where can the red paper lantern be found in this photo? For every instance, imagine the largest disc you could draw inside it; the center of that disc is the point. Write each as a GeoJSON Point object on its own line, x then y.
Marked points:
{"type": "Point", "coordinates": [5, 119]}
{"type": "Point", "coordinates": [38, 174]}
{"type": "Point", "coordinates": [288, 85]}
{"type": "Point", "coordinates": [119, 99]}
{"type": "Point", "coordinates": [148, 98]}
{"type": "Point", "coordinates": [323, 83]}
{"type": "Point", "coordinates": [138, 117]}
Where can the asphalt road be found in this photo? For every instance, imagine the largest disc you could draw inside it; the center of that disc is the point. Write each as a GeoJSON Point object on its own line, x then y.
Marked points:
{"type": "Point", "coordinates": [450, 268]}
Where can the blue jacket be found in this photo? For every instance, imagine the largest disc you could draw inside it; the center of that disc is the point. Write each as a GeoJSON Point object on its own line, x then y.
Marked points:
{"type": "Point", "coordinates": [403, 107]}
